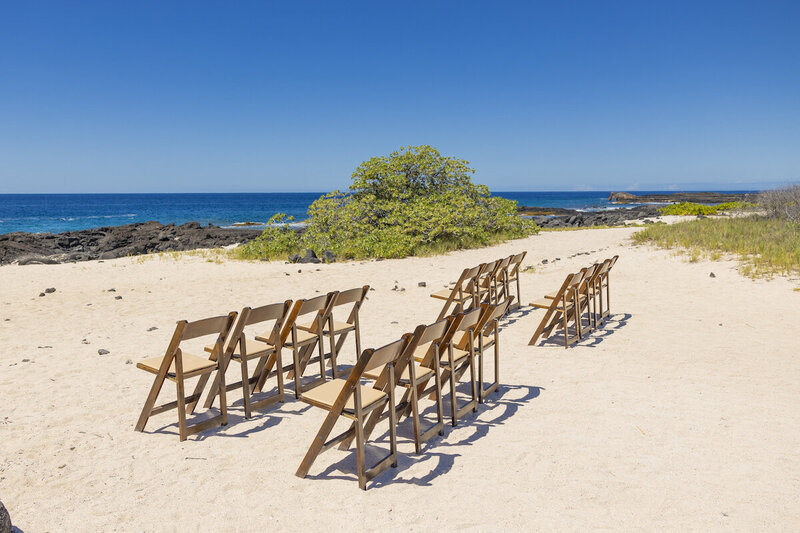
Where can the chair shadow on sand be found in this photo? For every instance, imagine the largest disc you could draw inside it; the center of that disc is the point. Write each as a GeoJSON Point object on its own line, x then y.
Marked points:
{"type": "Point", "coordinates": [265, 419]}
{"type": "Point", "coordinates": [610, 325]}
{"type": "Point", "coordinates": [439, 454]}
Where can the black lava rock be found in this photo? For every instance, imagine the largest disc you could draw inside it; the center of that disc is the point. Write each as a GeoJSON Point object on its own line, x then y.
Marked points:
{"type": "Point", "coordinates": [5, 519]}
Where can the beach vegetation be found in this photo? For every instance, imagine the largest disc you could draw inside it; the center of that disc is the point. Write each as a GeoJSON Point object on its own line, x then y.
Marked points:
{"type": "Point", "coordinates": [694, 209]}
{"type": "Point", "coordinates": [414, 201]}
{"type": "Point", "coordinates": [278, 240]}
{"type": "Point", "coordinates": [766, 242]}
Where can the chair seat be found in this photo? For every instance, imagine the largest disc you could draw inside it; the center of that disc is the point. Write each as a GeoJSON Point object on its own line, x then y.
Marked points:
{"type": "Point", "coordinates": [191, 363]}
{"type": "Point", "coordinates": [325, 395]}
{"type": "Point", "coordinates": [303, 337]}
{"type": "Point", "coordinates": [546, 303]}
{"type": "Point", "coordinates": [338, 327]}
{"type": "Point", "coordinates": [254, 349]}
{"type": "Point", "coordinates": [444, 294]}
{"type": "Point", "coordinates": [422, 350]}
{"type": "Point", "coordinates": [553, 296]}
{"type": "Point", "coordinates": [419, 370]}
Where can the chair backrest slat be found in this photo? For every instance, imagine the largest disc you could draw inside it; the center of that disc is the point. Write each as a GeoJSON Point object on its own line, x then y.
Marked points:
{"type": "Point", "coordinates": [219, 325]}
{"type": "Point", "coordinates": [351, 296]}
{"type": "Point", "coordinates": [433, 332]}
{"type": "Point", "coordinates": [516, 263]}
{"type": "Point", "coordinates": [496, 313]}
{"type": "Point", "coordinates": [264, 313]}
{"type": "Point", "coordinates": [385, 354]}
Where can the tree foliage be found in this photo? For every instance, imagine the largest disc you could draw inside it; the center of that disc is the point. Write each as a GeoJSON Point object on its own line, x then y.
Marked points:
{"type": "Point", "coordinates": [411, 201]}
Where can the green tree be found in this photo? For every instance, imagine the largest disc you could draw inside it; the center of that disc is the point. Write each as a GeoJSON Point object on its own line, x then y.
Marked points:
{"type": "Point", "coordinates": [411, 201]}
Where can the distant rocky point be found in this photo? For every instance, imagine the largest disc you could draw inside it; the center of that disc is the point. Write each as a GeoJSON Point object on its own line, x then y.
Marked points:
{"type": "Point", "coordinates": [696, 197]}
{"type": "Point", "coordinates": [116, 241]}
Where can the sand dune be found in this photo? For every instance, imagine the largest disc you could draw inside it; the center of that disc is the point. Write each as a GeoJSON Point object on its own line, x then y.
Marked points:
{"type": "Point", "coordinates": [682, 413]}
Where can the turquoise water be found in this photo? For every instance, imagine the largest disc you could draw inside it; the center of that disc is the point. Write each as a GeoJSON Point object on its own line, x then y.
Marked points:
{"type": "Point", "coordinates": [55, 213]}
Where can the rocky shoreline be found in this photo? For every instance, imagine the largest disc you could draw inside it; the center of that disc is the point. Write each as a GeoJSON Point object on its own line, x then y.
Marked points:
{"type": "Point", "coordinates": [569, 218]}
{"type": "Point", "coordinates": [556, 217]}
{"type": "Point", "coordinates": [116, 241]}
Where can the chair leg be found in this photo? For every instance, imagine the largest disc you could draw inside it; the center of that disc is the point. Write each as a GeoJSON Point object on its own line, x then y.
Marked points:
{"type": "Point", "coordinates": [297, 371]}
{"type": "Point", "coordinates": [473, 382]}
{"type": "Point", "coordinates": [317, 444]}
{"type": "Point", "coordinates": [453, 400]}
{"type": "Point", "coordinates": [334, 354]}
{"type": "Point", "coordinates": [181, 410]}
{"type": "Point", "coordinates": [415, 417]}
{"type": "Point", "coordinates": [439, 407]}
{"type": "Point", "coordinates": [480, 369]}
{"type": "Point", "coordinates": [393, 425]}
{"type": "Point", "coordinates": [150, 402]}
{"type": "Point", "coordinates": [279, 358]}
{"type": "Point", "coordinates": [245, 388]}
{"type": "Point", "coordinates": [360, 459]}
{"type": "Point", "coordinates": [223, 396]}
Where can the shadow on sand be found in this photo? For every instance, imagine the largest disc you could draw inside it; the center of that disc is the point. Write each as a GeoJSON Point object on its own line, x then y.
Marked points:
{"type": "Point", "coordinates": [439, 454]}
{"type": "Point", "coordinates": [610, 325]}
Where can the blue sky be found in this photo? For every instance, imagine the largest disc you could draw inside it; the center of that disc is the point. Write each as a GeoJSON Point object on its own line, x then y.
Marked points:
{"type": "Point", "coordinates": [292, 96]}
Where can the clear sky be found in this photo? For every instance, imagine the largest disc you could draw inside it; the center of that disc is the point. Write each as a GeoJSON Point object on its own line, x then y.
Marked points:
{"type": "Point", "coordinates": [291, 96]}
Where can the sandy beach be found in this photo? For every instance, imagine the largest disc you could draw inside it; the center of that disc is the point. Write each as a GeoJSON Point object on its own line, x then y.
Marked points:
{"type": "Point", "coordinates": [682, 413]}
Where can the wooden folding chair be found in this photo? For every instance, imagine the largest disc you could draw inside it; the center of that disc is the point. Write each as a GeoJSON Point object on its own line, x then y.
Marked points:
{"type": "Point", "coordinates": [427, 340]}
{"type": "Point", "coordinates": [463, 294]}
{"type": "Point", "coordinates": [490, 338]}
{"type": "Point", "coordinates": [498, 293]}
{"type": "Point", "coordinates": [511, 277]}
{"type": "Point", "coordinates": [597, 291]}
{"type": "Point", "coordinates": [584, 292]}
{"type": "Point", "coordinates": [302, 341]}
{"type": "Point", "coordinates": [606, 284]}
{"type": "Point", "coordinates": [486, 283]}
{"type": "Point", "coordinates": [333, 328]}
{"type": "Point", "coordinates": [588, 295]}
{"type": "Point", "coordinates": [243, 350]}
{"type": "Point", "coordinates": [349, 399]}
{"type": "Point", "coordinates": [460, 357]}
{"type": "Point", "coordinates": [178, 366]}
{"type": "Point", "coordinates": [559, 311]}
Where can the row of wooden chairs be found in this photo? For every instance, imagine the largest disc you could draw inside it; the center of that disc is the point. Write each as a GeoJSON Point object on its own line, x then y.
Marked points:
{"type": "Point", "coordinates": [422, 363]}
{"type": "Point", "coordinates": [584, 293]}
{"type": "Point", "coordinates": [440, 353]}
{"type": "Point", "coordinates": [258, 337]}
{"type": "Point", "coordinates": [486, 283]}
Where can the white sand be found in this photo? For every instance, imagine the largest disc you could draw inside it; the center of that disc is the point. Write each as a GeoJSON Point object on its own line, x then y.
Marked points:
{"type": "Point", "coordinates": [684, 413]}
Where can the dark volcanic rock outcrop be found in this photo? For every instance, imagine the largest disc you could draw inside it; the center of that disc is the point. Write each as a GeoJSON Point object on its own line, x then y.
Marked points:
{"type": "Point", "coordinates": [696, 197]}
{"type": "Point", "coordinates": [567, 218]}
{"type": "Point", "coordinates": [116, 241]}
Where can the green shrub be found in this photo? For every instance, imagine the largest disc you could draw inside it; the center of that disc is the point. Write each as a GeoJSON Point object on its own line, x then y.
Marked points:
{"type": "Point", "coordinates": [277, 241]}
{"type": "Point", "coordinates": [691, 208]}
{"type": "Point", "coordinates": [411, 202]}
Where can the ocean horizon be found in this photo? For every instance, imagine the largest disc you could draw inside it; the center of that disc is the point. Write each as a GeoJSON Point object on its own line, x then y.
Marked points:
{"type": "Point", "coordinates": [57, 213]}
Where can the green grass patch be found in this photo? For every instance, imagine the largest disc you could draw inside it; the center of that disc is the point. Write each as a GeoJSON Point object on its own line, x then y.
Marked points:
{"type": "Point", "coordinates": [764, 246]}
{"type": "Point", "coordinates": [691, 208]}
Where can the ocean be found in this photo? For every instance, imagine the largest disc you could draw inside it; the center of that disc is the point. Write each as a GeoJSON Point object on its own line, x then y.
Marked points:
{"type": "Point", "coordinates": [55, 213]}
